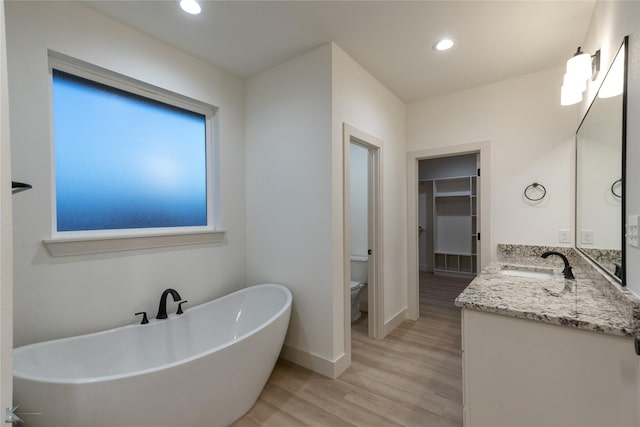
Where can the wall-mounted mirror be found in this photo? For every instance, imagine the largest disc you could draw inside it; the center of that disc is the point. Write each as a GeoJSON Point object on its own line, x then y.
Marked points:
{"type": "Point", "coordinates": [600, 142]}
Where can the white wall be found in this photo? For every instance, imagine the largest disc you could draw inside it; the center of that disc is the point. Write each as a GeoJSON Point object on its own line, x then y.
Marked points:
{"type": "Point", "coordinates": [364, 103]}
{"type": "Point", "coordinates": [289, 200]}
{"type": "Point", "coordinates": [359, 196]}
{"type": "Point", "coordinates": [611, 21]}
{"type": "Point", "coordinates": [532, 140]}
{"type": "Point", "coordinates": [632, 191]}
{"type": "Point", "coordinates": [57, 297]}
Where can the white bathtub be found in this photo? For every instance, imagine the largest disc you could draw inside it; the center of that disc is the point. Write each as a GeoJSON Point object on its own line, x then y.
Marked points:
{"type": "Point", "coordinates": [204, 368]}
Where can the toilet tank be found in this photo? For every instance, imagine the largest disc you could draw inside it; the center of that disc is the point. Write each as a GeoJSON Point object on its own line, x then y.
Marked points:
{"type": "Point", "coordinates": [359, 269]}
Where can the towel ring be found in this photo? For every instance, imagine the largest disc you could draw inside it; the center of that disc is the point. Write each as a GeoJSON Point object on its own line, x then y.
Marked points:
{"type": "Point", "coordinates": [619, 196]}
{"type": "Point", "coordinates": [532, 186]}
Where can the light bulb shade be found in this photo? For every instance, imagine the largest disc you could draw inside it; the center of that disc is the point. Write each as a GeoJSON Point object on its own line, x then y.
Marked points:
{"type": "Point", "coordinates": [579, 66]}
{"type": "Point", "coordinates": [574, 84]}
{"type": "Point", "coordinates": [569, 95]}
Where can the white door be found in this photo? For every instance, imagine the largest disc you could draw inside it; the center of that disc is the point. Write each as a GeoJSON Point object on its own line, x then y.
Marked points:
{"type": "Point", "coordinates": [6, 258]}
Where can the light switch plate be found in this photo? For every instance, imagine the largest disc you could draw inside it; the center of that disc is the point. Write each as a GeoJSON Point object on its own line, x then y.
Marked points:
{"type": "Point", "coordinates": [632, 230]}
{"type": "Point", "coordinates": [564, 236]}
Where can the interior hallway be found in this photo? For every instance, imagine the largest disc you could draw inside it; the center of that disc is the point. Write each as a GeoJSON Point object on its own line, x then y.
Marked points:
{"type": "Point", "coordinates": [411, 378]}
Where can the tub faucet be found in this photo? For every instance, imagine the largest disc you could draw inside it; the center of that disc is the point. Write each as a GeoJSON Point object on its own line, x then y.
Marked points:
{"type": "Point", "coordinates": [568, 274]}
{"type": "Point", "coordinates": [162, 309]}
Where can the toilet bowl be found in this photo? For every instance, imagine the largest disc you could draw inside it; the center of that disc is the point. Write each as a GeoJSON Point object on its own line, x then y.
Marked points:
{"type": "Point", "coordinates": [355, 300]}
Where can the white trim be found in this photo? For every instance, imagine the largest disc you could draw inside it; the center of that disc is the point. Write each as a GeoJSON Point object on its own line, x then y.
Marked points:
{"type": "Point", "coordinates": [79, 68]}
{"type": "Point", "coordinates": [92, 245]}
{"type": "Point", "coordinates": [483, 148]}
{"type": "Point", "coordinates": [318, 364]}
{"type": "Point", "coordinates": [395, 321]}
{"type": "Point", "coordinates": [375, 283]}
{"type": "Point", "coordinates": [6, 232]}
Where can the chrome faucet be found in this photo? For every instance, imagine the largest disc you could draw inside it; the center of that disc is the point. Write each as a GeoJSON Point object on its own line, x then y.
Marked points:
{"type": "Point", "coordinates": [162, 309]}
{"type": "Point", "coordinates": [568, 274]}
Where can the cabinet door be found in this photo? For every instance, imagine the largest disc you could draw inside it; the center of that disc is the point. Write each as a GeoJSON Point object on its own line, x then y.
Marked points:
{"type": "Point", "coordinates": [524, 373]}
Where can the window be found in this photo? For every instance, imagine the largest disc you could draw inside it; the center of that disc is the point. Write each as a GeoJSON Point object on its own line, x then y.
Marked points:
{"type": "Point", "coordinates": [129, 157]}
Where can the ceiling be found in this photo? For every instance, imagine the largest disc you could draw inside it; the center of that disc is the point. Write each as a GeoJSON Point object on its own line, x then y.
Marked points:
{"type": "Point", "coordinates": [495, 40]}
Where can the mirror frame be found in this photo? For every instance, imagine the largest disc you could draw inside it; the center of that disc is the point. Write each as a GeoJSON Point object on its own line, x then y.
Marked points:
{"type": "Point", "coordinates": [624, 47]}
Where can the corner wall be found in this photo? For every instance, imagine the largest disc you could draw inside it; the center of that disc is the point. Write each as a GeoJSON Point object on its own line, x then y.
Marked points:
{"type": "Point", "coordinates": [532, 140]}
{"type": "Point", "coordinates": [295, 113]}
{"type": "Point", "coordinates": [65, 296]}
{"type": "Point", "coordinates": [289, 198]}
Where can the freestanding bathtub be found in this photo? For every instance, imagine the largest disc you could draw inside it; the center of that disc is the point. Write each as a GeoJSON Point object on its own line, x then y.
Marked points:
{"type": "Point", "coordinates": [204, 368]}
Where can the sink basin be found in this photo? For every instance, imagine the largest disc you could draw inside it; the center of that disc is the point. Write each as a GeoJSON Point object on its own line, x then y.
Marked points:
{"type": "Point", "coordinates": [530, 272]}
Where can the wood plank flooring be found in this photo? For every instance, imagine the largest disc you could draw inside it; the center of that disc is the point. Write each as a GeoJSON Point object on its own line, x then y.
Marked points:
{"type": "Point", "coordinates": [411, 378]}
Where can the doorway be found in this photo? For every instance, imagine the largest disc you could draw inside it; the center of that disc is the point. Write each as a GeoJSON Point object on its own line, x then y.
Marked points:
{"type": "Point", "coordinates": [362, 234]}
{"type": "Point", "coordinates": [448, 221]}
{"type": "Point", "coordinates": [456, 246]}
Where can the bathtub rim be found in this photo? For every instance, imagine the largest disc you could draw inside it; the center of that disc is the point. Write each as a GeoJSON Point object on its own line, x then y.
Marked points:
{"type": "Point", "coordinates": [105, 378]}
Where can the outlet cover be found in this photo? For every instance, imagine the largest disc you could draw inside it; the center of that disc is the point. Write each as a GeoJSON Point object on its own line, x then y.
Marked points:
{"type": "Point", "coordinates": [564, 236]}
{"type": "Point", "coordinates": [586, 237]}
{"type": "Point", "coordinates": [632, 230]}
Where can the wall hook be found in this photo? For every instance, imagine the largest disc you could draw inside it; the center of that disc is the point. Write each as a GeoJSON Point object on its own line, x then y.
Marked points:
{"type": "Point", "coordinates": [17, 187]}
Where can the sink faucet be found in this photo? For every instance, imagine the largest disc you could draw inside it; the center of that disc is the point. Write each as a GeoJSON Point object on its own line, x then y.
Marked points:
{"type": "Point", "coordinates": [568, 274]}
{"type": "Point", "coordinates": [162, 309]}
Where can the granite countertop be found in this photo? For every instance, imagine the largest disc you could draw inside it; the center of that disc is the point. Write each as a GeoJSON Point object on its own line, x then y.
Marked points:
{"type": "Point", "coordinates": [578, 303]}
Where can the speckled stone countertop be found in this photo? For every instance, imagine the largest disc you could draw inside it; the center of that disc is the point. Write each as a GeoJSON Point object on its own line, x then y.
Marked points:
{"type": "Point", "coordinates": [579, 303]}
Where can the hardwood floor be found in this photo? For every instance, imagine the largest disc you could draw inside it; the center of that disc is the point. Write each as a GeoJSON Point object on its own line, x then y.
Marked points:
{"type": "Point", "coordinates": [411, 378]}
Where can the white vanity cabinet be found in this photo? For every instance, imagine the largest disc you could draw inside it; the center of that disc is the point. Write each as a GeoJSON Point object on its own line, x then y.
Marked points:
{"type": "Point", "coordinates": [524, 373]}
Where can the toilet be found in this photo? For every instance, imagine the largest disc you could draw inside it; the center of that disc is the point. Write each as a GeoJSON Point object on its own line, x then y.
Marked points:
{"type": "Point", "coordinates": [355, 300]}
{"type": "Point", "coordinates": [359, 276]}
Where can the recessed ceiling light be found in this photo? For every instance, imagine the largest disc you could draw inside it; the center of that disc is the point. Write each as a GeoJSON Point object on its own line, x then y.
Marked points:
{"type": "Point", "coordinates": [190, 6]}
{"type": "Point", "coordinates": [443, 44]}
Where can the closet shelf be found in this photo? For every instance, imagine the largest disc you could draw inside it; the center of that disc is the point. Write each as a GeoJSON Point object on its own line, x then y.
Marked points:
{"type": "Point", "coordinates": [454, 194]}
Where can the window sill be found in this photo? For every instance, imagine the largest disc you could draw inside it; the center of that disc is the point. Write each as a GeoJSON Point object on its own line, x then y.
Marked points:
{"type": "Point", "coordinates": [93, 245]}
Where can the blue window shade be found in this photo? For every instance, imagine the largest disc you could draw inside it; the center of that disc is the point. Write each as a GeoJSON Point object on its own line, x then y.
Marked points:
{"type": "Point", "coordinates": [124, 161]}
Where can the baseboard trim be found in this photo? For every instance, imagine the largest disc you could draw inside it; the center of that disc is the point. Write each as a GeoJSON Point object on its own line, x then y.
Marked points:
{"type": "Point", "coordinates": [394, 322]}
{"type": "Point", "coordinates": [316, 363]}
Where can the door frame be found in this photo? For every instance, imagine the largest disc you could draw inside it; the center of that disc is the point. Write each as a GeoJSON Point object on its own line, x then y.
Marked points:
{"type": "Point", "coordinates": [6, 235]}
{"type": "Point", "coordinates": [483, 149]}
{"type": "Point", "coordinates": [375, 284]}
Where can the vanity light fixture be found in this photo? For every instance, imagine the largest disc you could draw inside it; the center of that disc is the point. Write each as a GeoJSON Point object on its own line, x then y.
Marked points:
{"type": "Point", "coordinates": [443, 44]}
{"type": "Point", "coordinates": [580, 68]}
{"type": "Point", "coordinates": [190, 6]}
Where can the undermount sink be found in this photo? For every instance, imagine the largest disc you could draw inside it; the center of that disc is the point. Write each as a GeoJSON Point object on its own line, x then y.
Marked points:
{"type": "Point", "coordinates": [530, 272]}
